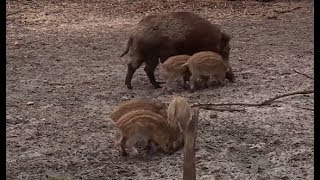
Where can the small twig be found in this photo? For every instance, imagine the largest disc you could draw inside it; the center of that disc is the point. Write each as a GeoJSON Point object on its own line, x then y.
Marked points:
{"type": "Point", "coordinates": [269, 101]}
{"type": "Point", "coordinates": [266, 102]}
{"type": "Point", "coordinates": [221, 109]}
{"type": "Point", "coordinates": [309, 109]}
{"type": "Point", "coordinates": [286, 10]}
{"type": "Point", "coordinates": [58, 83]}
{"type": "Point", "coordinates": [303, 74]}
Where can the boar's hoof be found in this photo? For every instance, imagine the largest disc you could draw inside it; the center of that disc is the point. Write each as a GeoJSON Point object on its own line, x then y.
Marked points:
{"type": "Point", "coordinates": [156, 85]}
{"type": "Point", "coordinates": [124, 153]}
{"type": "Point", "coordinates": [232, 80]}
{"type": "Point", "coordinates": [129, 86]}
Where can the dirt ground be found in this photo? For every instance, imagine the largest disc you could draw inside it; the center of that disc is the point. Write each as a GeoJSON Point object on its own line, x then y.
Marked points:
{"type": "Point", "coordinates": [64, 75]}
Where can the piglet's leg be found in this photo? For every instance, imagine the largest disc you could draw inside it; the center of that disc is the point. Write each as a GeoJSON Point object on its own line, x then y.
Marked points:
{"type": "Point", "coordinates": [169, 83]}
{"type": "Point", "coordinates": [154, 146]}
{"type": "Point", "coordinates": [134, 151]}
{"type": "Point", "coordinates": [151, 146]}
{"type": "Point", "coordinates": [220, 77]}
{"type": "Point", "coordinates": [131, 145]}
{"type": "Point", "coordinates": [123, 146]}
{"type": "Point", "coordinates": [186, 77]}
{"type": "Point", "coordinates": [193, 83]}
{"type": "Point", "coordinates": [230, 75]}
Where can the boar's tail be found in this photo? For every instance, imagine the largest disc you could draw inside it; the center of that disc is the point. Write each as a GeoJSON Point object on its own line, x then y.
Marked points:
{"type": "Point", "coordinates": [129, 43]}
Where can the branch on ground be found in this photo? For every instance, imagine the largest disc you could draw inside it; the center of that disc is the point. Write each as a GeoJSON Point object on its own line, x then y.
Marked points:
{"type": "Point", "coordinates": [308, 109]}
{"type": "Point", "coordinates": [221, 109]}
{"type": "Point", "coordinates": [281, 11]}
{"type": "Point", "coordinates": [303, 74]}
{"type": "Point", "coordinates": [265, 102]}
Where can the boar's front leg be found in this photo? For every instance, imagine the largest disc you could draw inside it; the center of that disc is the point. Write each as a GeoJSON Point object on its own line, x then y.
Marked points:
{"type": "Point", "coordinates": [132, 67]}
{"type": "Point", "coordinates": [149, 69]}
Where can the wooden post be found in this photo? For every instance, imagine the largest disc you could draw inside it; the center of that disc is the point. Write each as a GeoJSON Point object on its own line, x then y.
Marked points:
{"type": "Point", "coordinates": [189, 166]}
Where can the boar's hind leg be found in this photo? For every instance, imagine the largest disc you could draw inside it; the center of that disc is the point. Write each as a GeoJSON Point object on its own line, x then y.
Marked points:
{"type": "Point", "coordinates": [149, 69]}
{"type": "Point", "coordinates": [132, 67]}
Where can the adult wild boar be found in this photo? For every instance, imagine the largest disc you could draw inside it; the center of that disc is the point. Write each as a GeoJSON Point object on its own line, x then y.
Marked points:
{"type": "Point", "coordinates": [164, 35]}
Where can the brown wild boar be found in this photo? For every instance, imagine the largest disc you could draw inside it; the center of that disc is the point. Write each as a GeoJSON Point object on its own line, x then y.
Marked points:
{"type": "Point", "coordinates": [173, 70]}
{"type": "Point", "coordinates": [179, 113]}
{"type": "Point", "coordinates": [165, 35]}
{"type": "Point", "coordinates": [136, 104]}
{"type": "Point", "coordinates": [148, 127]}
{"type": "Point", "coordinates": [206, 63]}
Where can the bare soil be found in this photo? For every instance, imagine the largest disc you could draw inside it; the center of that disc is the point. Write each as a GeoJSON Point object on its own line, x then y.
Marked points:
{"type": "Point", "coordinates": [64, 76]}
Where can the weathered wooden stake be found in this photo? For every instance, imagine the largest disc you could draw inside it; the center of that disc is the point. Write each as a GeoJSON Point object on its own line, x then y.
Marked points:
{"type": "Point", "coordinates": [189, 166]}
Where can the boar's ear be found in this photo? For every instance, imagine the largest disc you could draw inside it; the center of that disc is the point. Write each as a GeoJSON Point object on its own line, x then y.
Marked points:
{"type": "Point", "coordinates": [159, 60]}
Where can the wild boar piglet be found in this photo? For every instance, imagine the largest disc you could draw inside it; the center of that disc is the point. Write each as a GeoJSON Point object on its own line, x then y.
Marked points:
{"type": "Point", "coordinates": [179, 113]}
{"type": "Point", "coordinates": [136, 104]}
{"type": "Point", "coordinates": [148, 127]}
{"type": "Point", "coordinates": [206, 63]}
{"type": "Point", "coordinates": [173, 70]}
